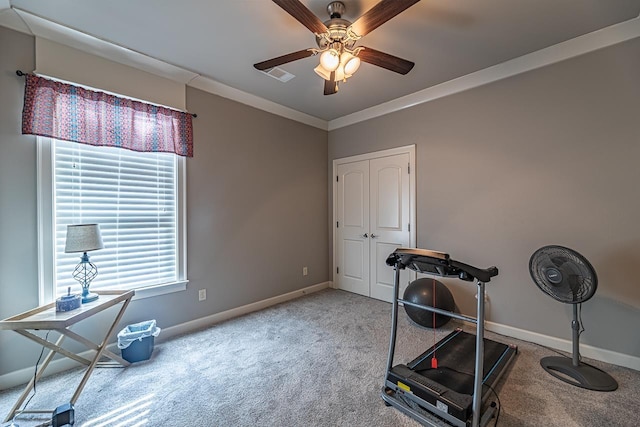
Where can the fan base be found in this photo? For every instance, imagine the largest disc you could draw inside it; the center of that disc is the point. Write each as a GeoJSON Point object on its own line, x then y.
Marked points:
{"type": "Point", "coordinates": [583, 375]}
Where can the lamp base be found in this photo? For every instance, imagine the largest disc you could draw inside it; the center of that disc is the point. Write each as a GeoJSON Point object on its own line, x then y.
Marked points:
{"type": "Point", "coordinates": [89, 297]}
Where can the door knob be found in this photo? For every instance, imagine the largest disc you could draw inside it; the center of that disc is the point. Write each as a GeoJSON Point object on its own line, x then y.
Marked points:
{"type": "Point", "coordinates": [365, 235]}
{"type": "Point", "coordinates": [373, 236]}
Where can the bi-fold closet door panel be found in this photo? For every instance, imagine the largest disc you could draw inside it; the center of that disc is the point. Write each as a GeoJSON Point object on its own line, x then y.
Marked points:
{"type": "Point", "coordinates": [353, 227]}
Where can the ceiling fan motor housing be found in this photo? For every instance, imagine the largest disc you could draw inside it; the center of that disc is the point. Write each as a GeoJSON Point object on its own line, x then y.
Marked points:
{"type": "Point", "coordinates": [336, 9]}
{"type": "Point", "coordinates": [337, 28]}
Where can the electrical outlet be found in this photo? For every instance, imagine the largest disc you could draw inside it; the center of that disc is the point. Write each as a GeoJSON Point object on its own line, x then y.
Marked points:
{"type": "Point", "coordinates": [305, 271]}
{"type": "Point", "coordinates": [202, 294]}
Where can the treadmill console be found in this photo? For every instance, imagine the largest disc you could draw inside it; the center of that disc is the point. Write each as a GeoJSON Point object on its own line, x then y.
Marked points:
{"type": "Point", "coordinates": [438, 263]}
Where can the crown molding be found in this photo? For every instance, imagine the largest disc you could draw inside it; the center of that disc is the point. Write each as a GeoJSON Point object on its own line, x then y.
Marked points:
{"type": "Point", "coordinates": [61, 34]}
{"type": "Point", "coordinates": [26, 22]}
{"type": "Point", "coordinates": [31, 24]}
{"type": "Point", "coordinates": [10, 19]}
{"type": "Point", "coordinates": [599, 39]}
{"type": "Point", "coordinates": [209, 85]}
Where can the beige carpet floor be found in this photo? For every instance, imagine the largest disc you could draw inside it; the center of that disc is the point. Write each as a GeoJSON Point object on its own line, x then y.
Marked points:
{"type": "Point", "coordinates": [315, 361]}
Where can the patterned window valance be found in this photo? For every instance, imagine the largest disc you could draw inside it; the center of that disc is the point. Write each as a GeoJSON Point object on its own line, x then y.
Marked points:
{"type": "Point", "coordinates": [72, 113]}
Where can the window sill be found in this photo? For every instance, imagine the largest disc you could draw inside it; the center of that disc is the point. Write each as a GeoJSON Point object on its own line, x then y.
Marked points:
{"type": "Point", "coordinates": [165, 288]}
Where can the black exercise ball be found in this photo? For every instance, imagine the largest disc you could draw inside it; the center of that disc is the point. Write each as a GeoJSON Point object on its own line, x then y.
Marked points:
{"type": "Point", "coordinates": [420, 291]}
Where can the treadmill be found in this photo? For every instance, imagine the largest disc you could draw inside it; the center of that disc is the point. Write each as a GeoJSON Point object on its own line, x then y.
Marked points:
{"type": "Point", "coordinates": [469, 366]}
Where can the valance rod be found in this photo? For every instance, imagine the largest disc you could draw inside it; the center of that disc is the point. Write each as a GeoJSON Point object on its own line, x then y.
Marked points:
{"type": "Point", "coordinates": [22, 74]}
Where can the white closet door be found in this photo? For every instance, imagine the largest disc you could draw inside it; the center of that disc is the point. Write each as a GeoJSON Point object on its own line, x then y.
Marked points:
{"type": "Point", "coordinates": [389, 220]}
{"type": "Point", "coordinates": [373, 215]}
{"type": "Point", "coordinates": [352, 234]}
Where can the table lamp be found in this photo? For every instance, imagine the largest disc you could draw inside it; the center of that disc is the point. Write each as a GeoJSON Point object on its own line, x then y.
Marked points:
{"type": "Point", "coordinates": [84, 238]}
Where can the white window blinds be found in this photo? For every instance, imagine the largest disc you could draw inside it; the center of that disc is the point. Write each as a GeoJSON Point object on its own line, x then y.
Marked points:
{"type": "Point", "coordinates": [133, 197]}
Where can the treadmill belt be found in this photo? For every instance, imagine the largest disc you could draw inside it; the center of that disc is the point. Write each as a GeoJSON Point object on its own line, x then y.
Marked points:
{"type": "Point", "coordinates": [456, 381]}
{"type": "Point", "coordinates": [456, 361]}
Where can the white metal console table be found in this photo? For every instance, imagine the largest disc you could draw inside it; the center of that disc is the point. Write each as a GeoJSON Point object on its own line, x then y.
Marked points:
{"type": "Point", "coordinates": [46, 318]}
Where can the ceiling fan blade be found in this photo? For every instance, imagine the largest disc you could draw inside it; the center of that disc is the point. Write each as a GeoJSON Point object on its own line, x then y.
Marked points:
{"type": "Point", "coordinates": [330, 86]}
{"type": "Point", "coordinates": [290, 57]}
{"type": "Point", "coordinates": [384, 60]}
{"type": "Point", "coordinates": [379, 14]}
{"type": "Point", "coordinates": [303, 15]}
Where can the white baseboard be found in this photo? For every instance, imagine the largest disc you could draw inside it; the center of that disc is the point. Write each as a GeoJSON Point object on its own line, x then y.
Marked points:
{"type": "Point", "coordinates": [589, 351]}
{"type": "Point", "coordinates": [22, 376]}
{"type": "Point", "coordinates": [204, 322]}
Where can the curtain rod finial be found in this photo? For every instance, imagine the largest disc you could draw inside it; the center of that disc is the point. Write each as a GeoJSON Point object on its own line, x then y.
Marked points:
{"type": "Point", "coordinates": [20, 73]}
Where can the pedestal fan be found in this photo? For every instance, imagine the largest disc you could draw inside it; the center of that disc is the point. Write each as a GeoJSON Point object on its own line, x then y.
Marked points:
{"type": "Point", "coordinates": [568, 277]}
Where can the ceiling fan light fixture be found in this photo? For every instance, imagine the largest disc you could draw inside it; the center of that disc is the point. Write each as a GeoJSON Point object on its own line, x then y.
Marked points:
{"type": "Point", "coordinates": [340, 75]}
{"type": "Point", "coordinates": [322, 72]}
{"type": "Point", "coordinates": [350, 63]}
{"type": "Point", "coordinates": [337, 38]}
{"type": "Point", "coordinates": [330, 59]}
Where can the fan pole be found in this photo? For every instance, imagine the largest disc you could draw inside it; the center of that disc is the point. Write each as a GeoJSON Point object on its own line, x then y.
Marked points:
{"type": "Point", "coordinates": [575, 325]}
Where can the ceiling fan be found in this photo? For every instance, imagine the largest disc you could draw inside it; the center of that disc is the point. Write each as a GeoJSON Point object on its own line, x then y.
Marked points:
{"type": "Point", "coordinates": [336, 40]}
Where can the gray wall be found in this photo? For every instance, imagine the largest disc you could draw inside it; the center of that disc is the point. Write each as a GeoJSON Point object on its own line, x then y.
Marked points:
{"type": "Point", "coordinates": [18, 231]}
{"type": "Point", "coordinates": [546, 157]}
{"type": "Point", "coordinates": [256, 210]}
{"type": "Point", "coordinates": [257, 199]}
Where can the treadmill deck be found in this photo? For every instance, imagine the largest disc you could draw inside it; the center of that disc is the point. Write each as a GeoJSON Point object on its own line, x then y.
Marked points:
{"type": "Point", "coordinates": [447, 390]}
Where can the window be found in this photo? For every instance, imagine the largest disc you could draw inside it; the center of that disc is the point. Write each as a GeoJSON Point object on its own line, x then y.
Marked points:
{"type": "Point", "coordinates": [138, 201]}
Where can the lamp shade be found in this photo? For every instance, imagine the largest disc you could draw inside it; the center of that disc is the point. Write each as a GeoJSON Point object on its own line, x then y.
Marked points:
{"type": "Point", "coordinates": [83, 238]}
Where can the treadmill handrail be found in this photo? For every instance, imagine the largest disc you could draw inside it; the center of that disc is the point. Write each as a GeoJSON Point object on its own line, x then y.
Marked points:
{"type": "Point", "coordinates": [482, 274]}
{"type": "Point", "coordinates": [439, 264]}
{"type": "Point", "coordinates": [436, 310]}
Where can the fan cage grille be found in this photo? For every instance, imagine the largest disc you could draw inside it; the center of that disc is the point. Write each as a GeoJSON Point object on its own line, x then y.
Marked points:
{"type": "Point", "coordinates": [579, 280]}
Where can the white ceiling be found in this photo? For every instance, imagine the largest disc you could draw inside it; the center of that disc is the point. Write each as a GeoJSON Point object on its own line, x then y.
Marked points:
{"type": "Point", "coordinates": [221, 40]}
